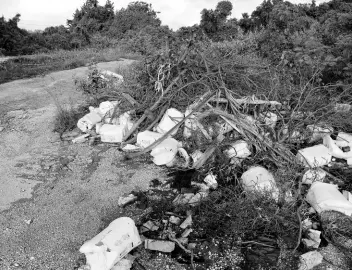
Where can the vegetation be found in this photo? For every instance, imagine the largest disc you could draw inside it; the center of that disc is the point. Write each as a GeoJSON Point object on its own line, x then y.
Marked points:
{"type": "Point", "coordinates": [298, 55]}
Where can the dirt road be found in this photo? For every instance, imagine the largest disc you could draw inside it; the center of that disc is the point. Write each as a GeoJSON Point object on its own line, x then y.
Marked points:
{"type": "Point", "coordinates": [55, 195]}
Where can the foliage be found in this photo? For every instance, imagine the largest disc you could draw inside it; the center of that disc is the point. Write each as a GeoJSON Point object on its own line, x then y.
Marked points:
{"type": "Point", "coordinates": [135, 17]}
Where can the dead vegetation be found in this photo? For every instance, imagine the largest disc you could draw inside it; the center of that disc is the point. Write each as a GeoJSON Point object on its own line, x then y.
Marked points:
{"type": "Point", "coordinates": [227, 85]}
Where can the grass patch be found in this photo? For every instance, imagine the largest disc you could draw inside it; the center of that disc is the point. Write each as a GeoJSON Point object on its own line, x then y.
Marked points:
{"type": "Point", "coordinates": [40, 64]}
{"type": "Point", "coordinates": [66, 118]}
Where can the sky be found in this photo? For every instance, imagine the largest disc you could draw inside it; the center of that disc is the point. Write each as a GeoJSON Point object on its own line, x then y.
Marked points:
{"type": "Point", "coordinates": [39, 14]}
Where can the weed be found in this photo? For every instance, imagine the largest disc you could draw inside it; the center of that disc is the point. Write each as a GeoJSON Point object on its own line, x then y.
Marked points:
{"type": "Point", "coordinates": [66, 118]}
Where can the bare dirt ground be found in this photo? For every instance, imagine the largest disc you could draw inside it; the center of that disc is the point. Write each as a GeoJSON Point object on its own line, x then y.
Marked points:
{"type": "Point", "coordinates": [55, 195]}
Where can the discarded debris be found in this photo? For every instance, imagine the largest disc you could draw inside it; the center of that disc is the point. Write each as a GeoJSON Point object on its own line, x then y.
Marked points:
{"type": "Point", "coordinates": [259, 179]}
{"type": "Point", "coordinates": [170, 119]}
{"type": "Point", "coordinates": [324, 197]}
{"type": "Point", "coordinates": [81, 138]}
{"type": "Point", "coordinates": [313, 175]}
{"type": "Point", "coordinates": [149, 226]}
{"type": "Point", "coordinates": [111, 245]}
{"type": "Point", "coordinates": [315, 156]}
{"type": "Point", "coordinates": [162, 246]}
{"type": "Point", "coordinates": [211, 182]}
{"type": "Point", "coordinates": [123, 201]}
{"type": "Point", "coordinates": [187, 222]}
{"type": "Point", "coordinates": [309, 260]}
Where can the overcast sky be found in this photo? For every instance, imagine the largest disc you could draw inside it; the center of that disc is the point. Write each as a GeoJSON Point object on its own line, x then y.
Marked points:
{"type": "Point", "coordinates": [38, 14]}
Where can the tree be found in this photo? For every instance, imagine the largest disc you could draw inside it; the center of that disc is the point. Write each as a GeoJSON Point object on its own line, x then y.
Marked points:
{"type": "Point", "coordinates": [214, 22]}
{"type": "Point", "coordinates": [136, 16]}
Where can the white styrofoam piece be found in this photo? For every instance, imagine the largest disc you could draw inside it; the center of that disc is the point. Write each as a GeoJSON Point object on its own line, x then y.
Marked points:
{"type": "Point", "coordinates": [239, 149]}
{"type": "Point", "coordinates": [165, 152]}
{"type": "Point", "coordinates": [108, 247]}
{"type": "Point", "coordinates": [170, 119]}
{"type": "Point", "coordinates": [88, 121]}
{"type": "Point", "coordinates": [112, 133]}
{"type": "Point", "coordinates": [319, 132]}
{"type": "Point", "coordinates": [146, 138]}
{"type": "Point", "coordinates": [259, 179]}
{"type": "Point", "coordinates": [313, 175]}
{"type": "Point", "coordinates": [315, 156]}
{"type": "Point", "coordinates": [324, 197]}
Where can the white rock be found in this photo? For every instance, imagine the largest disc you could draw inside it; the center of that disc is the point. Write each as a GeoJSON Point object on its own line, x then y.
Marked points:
{"type": "Point", "coordinates": [324, 197]}
{"type": "Point", "coordinates": [310, 260]}
{"type": "Point", "coordinates": [111, 245]}
{"type": "Point", "coordinates": [315, 156]}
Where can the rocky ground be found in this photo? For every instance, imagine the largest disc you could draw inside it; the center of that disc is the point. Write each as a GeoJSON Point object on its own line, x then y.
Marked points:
{"type": "Point", "coordinates": [55, 195]}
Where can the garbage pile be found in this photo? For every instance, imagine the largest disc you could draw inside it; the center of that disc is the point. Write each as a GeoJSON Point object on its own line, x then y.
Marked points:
{"type": "Point", "coordinates": [241, 132]}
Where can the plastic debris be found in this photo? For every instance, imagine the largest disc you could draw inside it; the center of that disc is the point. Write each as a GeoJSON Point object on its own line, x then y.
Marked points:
{"type": "Point", "coordinates": [313, 175]}
{"type": "Point", "coordinates": [195, 200]}
{"type": "Point", "coordinates": [186, 233]}
{"type": "Point", "coordinates": [181, 159]}
{"type": "Point", "coordinates": [88, 121]}
{"type": "Point", "coordinates": [342, 107]}
{"type": "Point", "coordinates": [187, 222]}
{"type": "Point", "coordinates": [81, 138]}
{"type": "Point", "coordinates": [315, 156]}
{"type": "Point", "coordinates": [112, 133]}
{"type": "Point", "coordinates": [309, 260]}
{"type": "Point", "coordinates": [146, 138]}
{"type": "Point", "coordinates": [270, 119]}
{"type": "Point", "coordinates": [111, 245]}
{"type": "Point", "coordinates": [107, 108]}
{"type": "Point", "coordinates": [183, 198]}
{"type": "Point", "coordinates": [149, 226]}
{"type": "Point", "coordinates": [319, 132]}
{"type": "Point", "coordinates": [324, 197]}
{"type": "Point", "coordinates": [175, 220]}
{"type": "Point", "coordinates": [307, 224]}
{"type": "Point", "coordinates": [104, 74]}
{"type": "Point", "coordinates": [170, 119]}
{"type": "Point", "coordinates": [196, 155]}
{"type": "Point", "coordinates": [165, 152]}
{"type": "Point", "coordinates": [238, 149]}
{"type": "Point", "coordinates": [334, 149]}
{"type": "Point", "coordinates": [347, 195]}
{"type": "Point", "coordinates": [211, 182]}
{"type": "Point", "coordinates": [125, 263]}
{"type": "Point", "coordinates": [313, 239]}
{"type": "Point", "coordinates": [126, 200]}
{"type": "Point", "coordinates": [259, 179]}
{"type": "Point", "coordinates": [162, 246]}
{"type": "Point", "coordinates": [131, 148]}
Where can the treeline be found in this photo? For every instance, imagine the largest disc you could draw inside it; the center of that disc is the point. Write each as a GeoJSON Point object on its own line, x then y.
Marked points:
{"type": "Point", "coordinates": [304, 36]}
